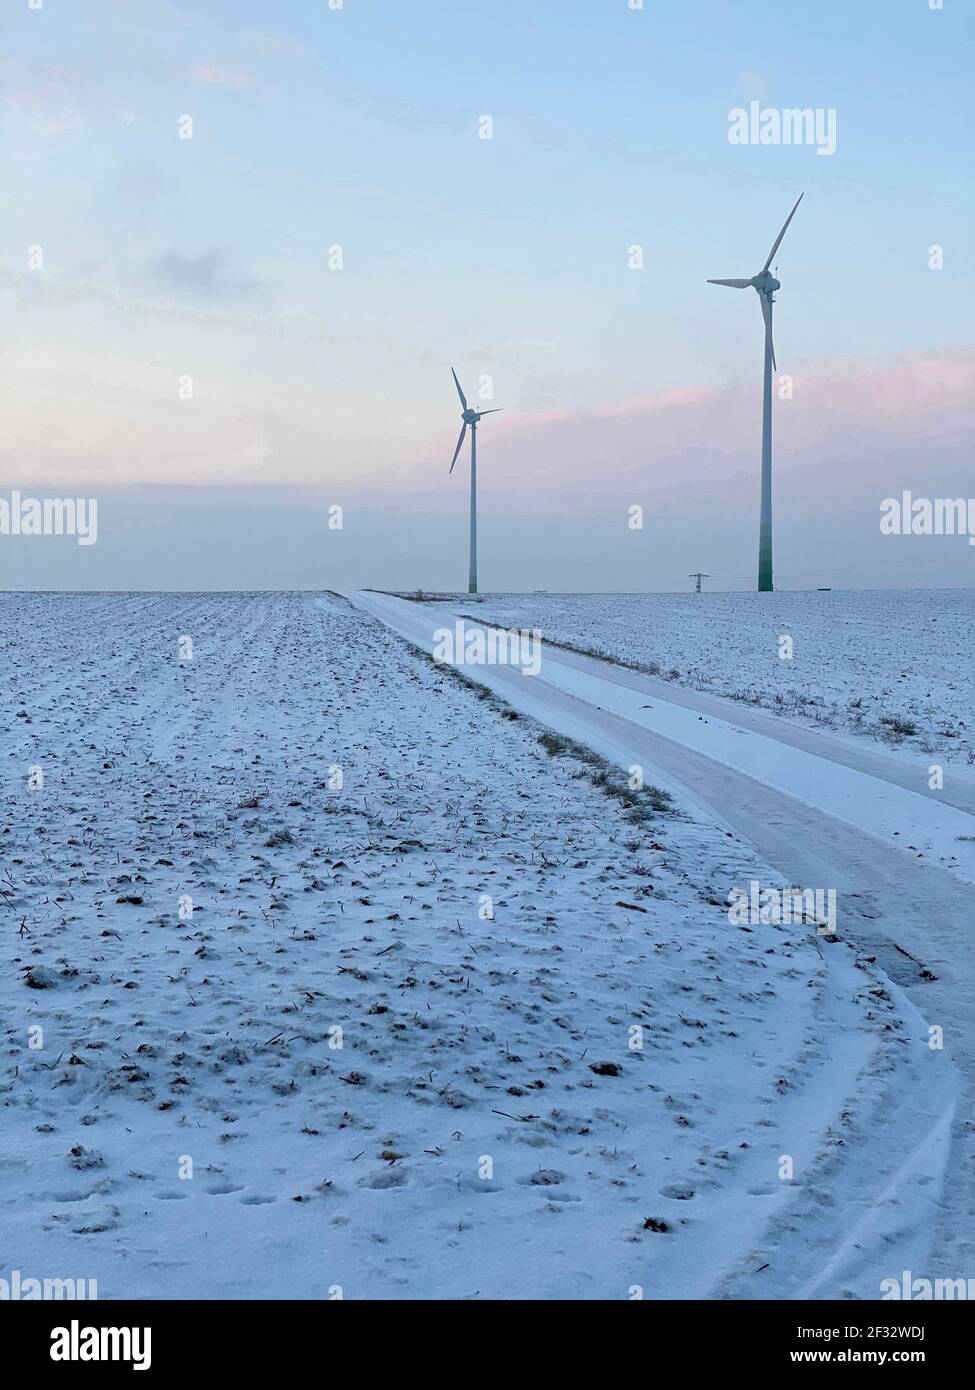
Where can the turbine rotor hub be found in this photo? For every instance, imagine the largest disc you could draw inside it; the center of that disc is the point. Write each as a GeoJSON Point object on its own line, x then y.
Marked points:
{"type": "Point", "coordinates": [470, 417]}
{"type": "Point", "coordinates": [765, 283]}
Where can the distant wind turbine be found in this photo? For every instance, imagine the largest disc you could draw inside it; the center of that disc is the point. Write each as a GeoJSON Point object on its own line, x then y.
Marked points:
{"type": "Point", "coordinates": [470, 417]}
{"type": "Point", "coordinates": [765, 286]}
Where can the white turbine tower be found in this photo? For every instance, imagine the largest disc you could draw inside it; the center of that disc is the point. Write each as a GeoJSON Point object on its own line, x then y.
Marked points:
{"type": "Point", "coordinates": [765, 286]}
{"type": "Point", "coordinates": [470, 417]}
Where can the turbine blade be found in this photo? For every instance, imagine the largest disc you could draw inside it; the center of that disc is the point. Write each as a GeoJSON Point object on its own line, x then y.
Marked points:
{"type": "Point", "coordinates": [734, 284]}
{"type": "Point", "coordinates": [463, 398]}
{"type": "Point", "coordinates": [767, 316]}
{"type": "Point", "coordinates": [493, 411]}
{"type": "Point", "coordinates": [463, 431]}
{"type": "Point", "coordinates": [778, 240]}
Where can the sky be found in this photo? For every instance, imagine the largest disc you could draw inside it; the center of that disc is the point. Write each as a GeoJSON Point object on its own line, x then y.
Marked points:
{"type": "Point", "coordinates": [222, 337]}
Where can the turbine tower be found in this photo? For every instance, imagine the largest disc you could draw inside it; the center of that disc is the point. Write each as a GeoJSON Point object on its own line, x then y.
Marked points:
{"type": "Point", "coordinates": [470, 417]}
{"type": "Point", "coordinates": [765, 286]}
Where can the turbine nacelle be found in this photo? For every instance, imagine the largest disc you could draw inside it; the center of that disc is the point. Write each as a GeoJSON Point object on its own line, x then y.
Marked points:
{"type": "Point", "coordinates": [765, 283]}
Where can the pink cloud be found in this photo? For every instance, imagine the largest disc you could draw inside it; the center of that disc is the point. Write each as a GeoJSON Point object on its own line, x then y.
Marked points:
{"type": "Point", "coordinates": [23, 101]}
{"type": "Point", "coordinates": [689, 395]}
{"type": "Point", "coordinates": [51, 100]}
{"type": "Point", "coordinates": [43, 118]}
{"type": "Point", "coordinates": [849, 425]}
{"type": "Point", "coordinates": [214, 76]}
{"type": "Point", "coordinates": [270, 45]}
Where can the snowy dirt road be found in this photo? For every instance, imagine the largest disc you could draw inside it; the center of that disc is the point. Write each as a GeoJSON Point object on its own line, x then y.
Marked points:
{"type": "Point", "coordinates": [823, 810]}
{"type": "Point", "coordinates": [443, 1019]}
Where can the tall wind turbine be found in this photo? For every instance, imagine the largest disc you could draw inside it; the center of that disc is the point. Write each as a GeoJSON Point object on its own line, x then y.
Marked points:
{"type": "Point", "coordinates": [765, 286]}
{"type": "Point", "coordinates": [470, 417]}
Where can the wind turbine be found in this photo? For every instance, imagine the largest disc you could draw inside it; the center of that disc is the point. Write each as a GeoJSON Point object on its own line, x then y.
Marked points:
{"type": "Point", "coordinates": [470, 417]}
{"type": "Point", "coordinates": [765, 286]}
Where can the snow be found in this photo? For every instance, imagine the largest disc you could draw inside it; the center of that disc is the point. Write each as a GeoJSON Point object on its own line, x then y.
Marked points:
{"type": "Point", "coordinates": [459, 1143]}
{"type": "Point", "coordinates": [857, 657]}
{"type": "Point", "coordinates": [908, 910]}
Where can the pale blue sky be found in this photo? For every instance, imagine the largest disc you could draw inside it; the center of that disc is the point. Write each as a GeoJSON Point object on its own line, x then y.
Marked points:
{"type": "Point", "coordinates": [358, 127]}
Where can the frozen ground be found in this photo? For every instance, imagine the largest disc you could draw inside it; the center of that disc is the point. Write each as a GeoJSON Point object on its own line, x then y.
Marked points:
{"type": "Point", "coordinates": [823, 809]}
{"type": "Point", "coordinates": [858, 659]}
{"type": "Point", "coordinates": [486, 1127]}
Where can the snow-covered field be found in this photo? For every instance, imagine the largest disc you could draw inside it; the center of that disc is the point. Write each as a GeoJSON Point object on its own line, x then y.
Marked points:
{"type": "Point", "coordinates": [340, 1073]}
{"type": "Point", "coordinates": [894, 665]}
